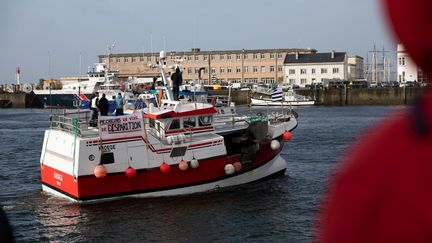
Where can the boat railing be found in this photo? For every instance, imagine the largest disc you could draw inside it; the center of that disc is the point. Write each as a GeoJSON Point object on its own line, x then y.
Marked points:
{"type": "Point", "coordinates": [77, 122]}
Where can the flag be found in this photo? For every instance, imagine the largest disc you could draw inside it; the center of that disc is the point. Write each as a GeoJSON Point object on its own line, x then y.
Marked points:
{"type": "Point", "coordinates": [277, 94]}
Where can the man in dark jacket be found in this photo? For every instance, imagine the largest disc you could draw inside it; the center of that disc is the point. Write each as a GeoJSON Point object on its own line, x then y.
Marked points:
{"type": "Point", "coordinates": [103, 105]}
{"type": "Point", "coordinates": [177, 81]}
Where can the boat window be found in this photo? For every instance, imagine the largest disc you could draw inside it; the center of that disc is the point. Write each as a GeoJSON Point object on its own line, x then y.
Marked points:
{"type": "Point", "coordinates": [158, 127]}
{"type": "Point", "coordinates": [205, 120]}
{"type": "Point", "coordinates": [175, 124]}
{"type": "Point", "coordinates": [152, 123]}
{"type": "Point", "coordinates": [189, 122]}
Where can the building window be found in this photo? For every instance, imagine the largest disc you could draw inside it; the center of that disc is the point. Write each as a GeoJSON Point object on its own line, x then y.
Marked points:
{"type": "Point", "coordinates": [255, 56]}
{"type": "Point", "coordinates": [133, 59]}
{"type": "Point", "coordinates": [149, 59]}
{"type": "Point", "coordinates": [335, 70]}
{"type": "Point", "coordinates": [197, 70]}
{"type": "Point", "coordinates": [263, 69]}
{"type": "Point", "coordinates": [272, 55]}
{"type": "Point", "coordinates": [272, 69]}
{"type": "Point", "coordinates": [291, 81]}
{"type": "Point", "coordinates": [238, 69]}
{"type": "Point", "coordinates": [229, 70]}
{"type": "Point", "coordinates": [196, 58]}
{"type": "Point", "coordinates": [279, 55]}
{"type": "Point", "coordinates": [403, 61]}
{"type": "Point", "coordinates": [213, 70]}
{"type": "Point", "coordinates": [262, 56]}
{"type": "Point", "coordinates": [189, 58]}
{"type": "Point", "coordinates": [323, 70]}
{"type": "Point", "coordinates": [245, 56]}
{"type": "Point", "coordinates": [291, 71]}
{"type": "Point", "coordinates": [255, 69]}
{"type": "Point", "coordinates": [126, 59]}
{"type": "Point", "coordinates": [228, 57]}
{"type": "Point", "coordinates": [141, 59]}
{"type": "Point", "coordinates": [205, 57]}
{"type": "Point", "coordinates": [117, 59]}
{"type": "Point", "coordinates": [212, 57]}
{"type": "Point", "coordinates": [222, 69]}
{"type": "Point", "coordinates": [313, 70]}
{"type": "Point", "coordinates": [303, 71]}
{"type": "Point", "coordinates": [303, 81]}
{"type": "Point", "coordinates": [221, 57]}
{"type": "Point", "coordinates": [189, 70]}
{"type": "Point", "coordinates": [238, 56]}
{"type": "Point", "coordinates": [206, 70]}
{"type": "Point", "coordinates": [279, 68]}
{"type": "Point", "coordinates": [246, 69]}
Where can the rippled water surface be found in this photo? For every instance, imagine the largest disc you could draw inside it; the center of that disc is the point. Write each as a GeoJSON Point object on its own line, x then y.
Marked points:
{"type": "Point", "coordinates": [280, 209]}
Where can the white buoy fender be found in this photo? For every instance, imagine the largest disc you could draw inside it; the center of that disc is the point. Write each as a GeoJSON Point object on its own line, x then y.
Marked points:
{"type": "Point", "coordinates": [275, 145]}
{"type": "Point", "coordinates": [229, 169]}
{"type": "Point", "coordinates": [194, 163]}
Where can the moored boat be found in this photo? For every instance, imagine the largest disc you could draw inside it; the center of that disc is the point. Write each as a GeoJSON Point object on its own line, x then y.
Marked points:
{"type": "Point", "coordinates": [175, 148]}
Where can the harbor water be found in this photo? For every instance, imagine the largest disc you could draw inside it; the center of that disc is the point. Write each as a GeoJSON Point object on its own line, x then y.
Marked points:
{"type": "Point", "coordinates": [282, 209]}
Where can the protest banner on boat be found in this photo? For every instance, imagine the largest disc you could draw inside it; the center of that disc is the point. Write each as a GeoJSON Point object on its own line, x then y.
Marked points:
{"type": "Point", "coordinates": [127, 125]}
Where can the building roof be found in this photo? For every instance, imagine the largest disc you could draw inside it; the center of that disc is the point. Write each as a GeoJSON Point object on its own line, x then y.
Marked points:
{"type": "Point", "coordinates": [315, 57]}
{"type": "Point", "coordinates": [197, 51]}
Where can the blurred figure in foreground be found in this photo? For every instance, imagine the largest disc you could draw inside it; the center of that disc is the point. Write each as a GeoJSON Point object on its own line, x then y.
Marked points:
{"type": "Point", "coordinates": [383, 190]}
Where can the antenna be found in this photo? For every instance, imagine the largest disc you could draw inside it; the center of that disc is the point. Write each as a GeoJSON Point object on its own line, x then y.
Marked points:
{"type": "Point", "coordinates": [49, 64]}
{"type": "Point", "coordinates": [79, 68]}
{"type": "Point", "coordinates": [194, 34]}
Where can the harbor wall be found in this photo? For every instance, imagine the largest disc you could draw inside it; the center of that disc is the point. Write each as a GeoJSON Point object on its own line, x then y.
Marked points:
{"type": "Point", "coordinates": [19, 100]}
{"type": "Point", "coordinates": [364, 96]}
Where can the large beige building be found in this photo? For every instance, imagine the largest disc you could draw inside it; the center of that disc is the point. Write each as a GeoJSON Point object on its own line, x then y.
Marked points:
{"type": "Point", "coordinates": [252, 66]}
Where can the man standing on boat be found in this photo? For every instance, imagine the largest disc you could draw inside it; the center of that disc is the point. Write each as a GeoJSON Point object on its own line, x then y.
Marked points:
{"type": "Point", "coordinates": [103, 105]}
{"type": "Point", "coordinates": [119, 104]}
{"type": "Point", "coordinates": [94, 108]}
{"type": "Point", "coordinates": [176, 81]}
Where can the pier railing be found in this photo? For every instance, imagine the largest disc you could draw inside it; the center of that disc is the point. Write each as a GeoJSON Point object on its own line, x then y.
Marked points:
{"type": "Point", "coordinates": [76, 122]}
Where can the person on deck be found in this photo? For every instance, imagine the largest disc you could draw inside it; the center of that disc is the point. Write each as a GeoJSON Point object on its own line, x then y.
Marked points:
{"type": "Point", "coordinates": [176, 81]}
{"type": "Point", "coordinates": [94, 109]}
{"type": "Point", "coordinates": [119, 104]}
{"type": "Point", "coordinates": [103, 105]}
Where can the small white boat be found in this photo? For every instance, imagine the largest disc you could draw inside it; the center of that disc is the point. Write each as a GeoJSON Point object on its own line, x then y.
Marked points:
{"type": "Point", "coordinates": [290, 98]}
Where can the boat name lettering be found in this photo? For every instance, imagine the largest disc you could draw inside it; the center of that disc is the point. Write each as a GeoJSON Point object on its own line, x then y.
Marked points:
{"type": "Point", "coordinates": [108, 148]}
{"type": "Point", "coordinates": [58, 176]}
{"type": "Point", "coordinates": [124, 127]}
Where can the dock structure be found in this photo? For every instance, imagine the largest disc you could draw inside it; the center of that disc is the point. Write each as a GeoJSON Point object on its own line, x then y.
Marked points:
{"type": "Point", "coordinates": [19, 100]}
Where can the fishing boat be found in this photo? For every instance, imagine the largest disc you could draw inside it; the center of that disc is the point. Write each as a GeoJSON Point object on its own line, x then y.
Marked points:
{"type": "Point", "coordinates": [70, 95]}
{"type": "Point", "coordinates": [172, 148]}
{"type": "Point", "coordinates": [280, 98]}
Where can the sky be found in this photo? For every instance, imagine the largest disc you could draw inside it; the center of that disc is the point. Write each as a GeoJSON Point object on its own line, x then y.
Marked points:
{"type": "Point", "coordinates": [48, 38]}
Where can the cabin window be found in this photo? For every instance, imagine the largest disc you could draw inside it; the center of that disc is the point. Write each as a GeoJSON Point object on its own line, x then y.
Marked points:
{"type": "Point", "coordinates": [175, 124]}
{"type": "Point", "coordinates": [152, 123]}
{"type": "Point", "coordinates": [205, 120]}
{"type": "Point", "coordinates": [189, 122]}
